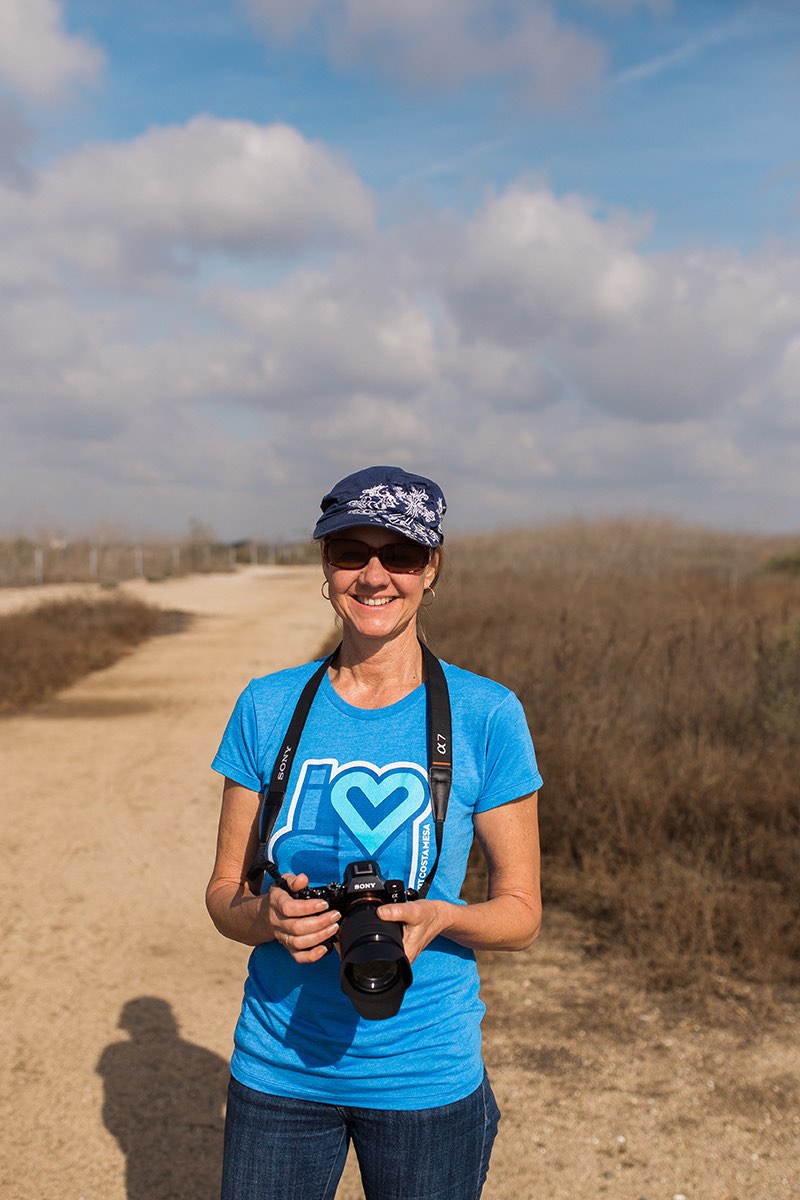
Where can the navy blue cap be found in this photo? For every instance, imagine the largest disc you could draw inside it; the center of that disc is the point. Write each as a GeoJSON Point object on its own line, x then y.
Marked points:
{"type": "Point", "coordinates": [389, 497]}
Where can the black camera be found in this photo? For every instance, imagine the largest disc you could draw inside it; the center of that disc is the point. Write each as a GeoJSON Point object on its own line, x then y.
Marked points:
{"type": "Point", "coordinates": [375, 971]}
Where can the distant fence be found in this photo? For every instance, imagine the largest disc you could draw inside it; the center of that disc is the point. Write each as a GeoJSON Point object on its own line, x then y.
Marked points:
{"type": "Point", "coordinates": [26, 563]}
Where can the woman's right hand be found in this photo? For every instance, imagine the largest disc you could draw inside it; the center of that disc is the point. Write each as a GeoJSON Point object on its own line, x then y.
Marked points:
{"type": "Point", "coordinates": [302, 926]}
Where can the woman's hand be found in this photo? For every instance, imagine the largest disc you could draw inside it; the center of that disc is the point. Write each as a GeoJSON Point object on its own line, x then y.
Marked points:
{"type": "Point", "coordinates": [422, 921]}
{"type": "Point", "coordinates": [510, 917]}
{"type": "Point", "coordinates": [302, 926]}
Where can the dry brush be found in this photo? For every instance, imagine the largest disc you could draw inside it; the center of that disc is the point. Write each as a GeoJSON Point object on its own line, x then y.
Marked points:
{"type": "Point", "coordinates": [660, 670]}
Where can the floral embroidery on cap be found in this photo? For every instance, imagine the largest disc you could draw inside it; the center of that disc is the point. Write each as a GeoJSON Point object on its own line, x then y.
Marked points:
{"type": "Point", "coordinates": [402, 510]}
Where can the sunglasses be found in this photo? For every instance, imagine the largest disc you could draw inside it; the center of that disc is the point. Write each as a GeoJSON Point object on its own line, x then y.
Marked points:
{"type": "Point", "coordinates": [399, 558]}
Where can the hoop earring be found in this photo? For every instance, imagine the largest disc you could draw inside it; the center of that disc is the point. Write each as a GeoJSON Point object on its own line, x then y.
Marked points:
{"type": "Point", "coordinates": [325, 595]}
{"type": "Point", "coordinates": [433, 597]}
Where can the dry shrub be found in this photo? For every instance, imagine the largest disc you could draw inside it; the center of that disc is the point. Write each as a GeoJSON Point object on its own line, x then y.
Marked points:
{"type": "Point", "coordinates": [48, 648]}
{"type": "Point", "coordinates": [660, 670]}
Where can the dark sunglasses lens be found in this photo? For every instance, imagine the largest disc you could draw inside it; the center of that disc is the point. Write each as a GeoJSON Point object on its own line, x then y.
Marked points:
{"type": "Point", "coordinates": [404, 558]}
{"type": "Point", "coordinates": [346, 553]}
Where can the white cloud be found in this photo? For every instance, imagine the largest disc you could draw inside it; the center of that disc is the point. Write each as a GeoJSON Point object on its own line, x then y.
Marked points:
{"type": "Point", "coordinates": [286, 18]}
{"type": "Point", "coordinates": [125, 212]}
{"type": "Point", "coordinates": [784, 393]}
{"type": "Point", "coordinates": [446, 43]}
{"type": "Point", "coordinates": [16, 140]}
{"type": "Point", "coordinates": [535, 347]}
{"type": "Point", "coordinates": [501, 379]}
{"type": "Point", "coordinates": [622, 8]}
{"type": "Point", "coordinates": [328, 336]}
{"type": "Point", "coordinates": [531, 265]}
{"type": "Point", "coordinates": [655, 337]}
{"type": "Point", "coordinates": [38, 58]}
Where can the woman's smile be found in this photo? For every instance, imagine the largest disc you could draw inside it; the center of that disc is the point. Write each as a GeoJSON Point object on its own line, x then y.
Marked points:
{"type": "Point", "coordinates": [355, 592]}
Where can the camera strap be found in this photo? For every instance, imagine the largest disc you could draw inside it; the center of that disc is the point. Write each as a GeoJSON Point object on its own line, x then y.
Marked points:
{"type": "Point", "coordinates": [440, 753]}
{"type": "Point", "coordinates": [440, 763]}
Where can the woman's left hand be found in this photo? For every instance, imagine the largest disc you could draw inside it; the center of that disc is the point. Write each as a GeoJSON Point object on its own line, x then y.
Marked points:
{"type": "Point", "coordinates": [510, 917]}
{"type": "Point", "coordinates": [422, 921]}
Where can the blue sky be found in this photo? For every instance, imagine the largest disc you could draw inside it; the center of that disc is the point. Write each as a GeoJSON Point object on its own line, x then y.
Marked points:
{"type": "Point", "coordinates": [695, 117]}
{"type": "Point", "coordinates": [547, 252]}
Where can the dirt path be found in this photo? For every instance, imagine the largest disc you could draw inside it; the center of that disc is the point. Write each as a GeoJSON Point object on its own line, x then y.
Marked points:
{"type": "Point", "coordinates": [118, 997]}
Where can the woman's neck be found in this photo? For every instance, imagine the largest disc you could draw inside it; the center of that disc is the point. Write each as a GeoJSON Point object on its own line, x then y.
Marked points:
{"type": "Point", "coordinates": [370, 674]}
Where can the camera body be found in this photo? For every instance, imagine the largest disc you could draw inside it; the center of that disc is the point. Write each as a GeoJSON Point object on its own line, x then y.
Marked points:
{"type": "Point", "coordinates": [362, 883]}
{"type": "Point", "coordinates": [375, 971]}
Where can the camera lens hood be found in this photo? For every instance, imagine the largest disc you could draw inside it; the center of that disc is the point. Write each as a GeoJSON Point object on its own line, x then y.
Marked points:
{"type": "Point", "coordinates": [375, 971]}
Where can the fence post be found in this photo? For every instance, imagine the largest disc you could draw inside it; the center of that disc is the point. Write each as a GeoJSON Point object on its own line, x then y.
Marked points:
{"type": "Point", "coordinates": [93, 561]}
{"type": "Point", "coordinates": [38, 564]}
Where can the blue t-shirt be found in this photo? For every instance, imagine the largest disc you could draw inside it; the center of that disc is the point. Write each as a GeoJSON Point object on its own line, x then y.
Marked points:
{"type": "Point", "coordinates": [359, 790]}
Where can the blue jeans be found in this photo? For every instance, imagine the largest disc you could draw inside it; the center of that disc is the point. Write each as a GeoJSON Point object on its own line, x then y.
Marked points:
{"type": "Point", "coordinates": [280, 1149]}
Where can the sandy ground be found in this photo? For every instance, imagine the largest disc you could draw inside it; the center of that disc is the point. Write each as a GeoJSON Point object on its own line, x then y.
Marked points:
{"type": "Point", "coordinates": [119, 998]}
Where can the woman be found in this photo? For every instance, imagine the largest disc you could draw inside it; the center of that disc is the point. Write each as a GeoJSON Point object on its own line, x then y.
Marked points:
{"type": "Point", "coordinates": [309, 1072]}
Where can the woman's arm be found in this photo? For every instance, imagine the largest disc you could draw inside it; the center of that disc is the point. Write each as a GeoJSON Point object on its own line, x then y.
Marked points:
{"type": "Point", "coordinates": [511, 916]}
{"type": "Point", "coordinates": [302, 926]}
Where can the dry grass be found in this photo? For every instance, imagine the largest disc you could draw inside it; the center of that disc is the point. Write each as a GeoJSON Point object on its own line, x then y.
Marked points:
{"type": "Point", "coordinates": [50, 647]}
{"type": "Point", "coordinates": [660, 670]}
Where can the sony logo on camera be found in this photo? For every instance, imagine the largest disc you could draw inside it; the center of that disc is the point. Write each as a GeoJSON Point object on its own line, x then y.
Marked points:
{"type": "Point", "coordinates": [361, 887]}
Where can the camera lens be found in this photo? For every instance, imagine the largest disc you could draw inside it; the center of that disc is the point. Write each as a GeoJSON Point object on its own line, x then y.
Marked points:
{"type": "Point", "coordinates": [375, 971]}
{"type": "Point", "coordinates": [376, 975]}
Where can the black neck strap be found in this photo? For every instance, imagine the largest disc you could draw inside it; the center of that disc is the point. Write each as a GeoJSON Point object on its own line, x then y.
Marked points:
{"type": "Point", "coordinates": [440, 762]}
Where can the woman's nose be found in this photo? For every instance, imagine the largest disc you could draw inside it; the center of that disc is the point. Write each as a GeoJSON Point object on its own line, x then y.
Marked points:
{"type": "Point", "coordinates": [374, 573]}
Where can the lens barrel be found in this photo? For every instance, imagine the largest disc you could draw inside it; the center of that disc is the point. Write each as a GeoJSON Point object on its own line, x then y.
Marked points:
{"type": "Point", "coordinates": [375, 971]}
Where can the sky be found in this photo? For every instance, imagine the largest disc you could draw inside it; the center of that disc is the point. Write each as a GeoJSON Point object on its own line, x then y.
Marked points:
{"type": "Point", "coordinates": [544, 251]}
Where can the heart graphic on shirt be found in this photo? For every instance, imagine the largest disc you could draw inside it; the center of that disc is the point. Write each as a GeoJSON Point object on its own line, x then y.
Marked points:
{"type": "Point", "coordinates": [374, 806]}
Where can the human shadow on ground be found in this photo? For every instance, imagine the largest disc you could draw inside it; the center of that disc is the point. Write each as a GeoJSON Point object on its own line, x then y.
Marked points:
{"type": "Point", "coordinates": [163, 1102]}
